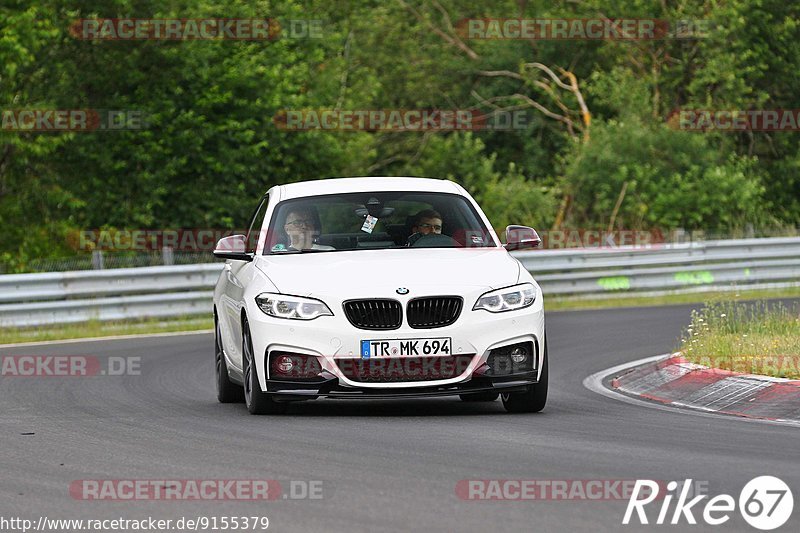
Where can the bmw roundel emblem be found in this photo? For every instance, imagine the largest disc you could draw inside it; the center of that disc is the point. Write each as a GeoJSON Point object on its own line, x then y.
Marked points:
{"type": "Point", "coordinates": [402, 290]}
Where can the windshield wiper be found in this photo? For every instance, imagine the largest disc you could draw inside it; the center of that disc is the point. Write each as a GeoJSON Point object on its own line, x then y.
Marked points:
{"type": "Point", "coordinates": [307, 251]}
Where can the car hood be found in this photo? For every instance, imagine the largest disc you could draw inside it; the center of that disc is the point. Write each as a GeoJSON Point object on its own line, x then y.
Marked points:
{"type": "Point", "coordinates": [372, 272]}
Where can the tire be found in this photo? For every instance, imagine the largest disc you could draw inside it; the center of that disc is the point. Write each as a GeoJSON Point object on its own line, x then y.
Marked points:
{"type": "Point", "coordinates": [227, 391]}
{"type": "Point", "coordinates": [534, 399]}
{"type": "Point", "coordinates": [487, 396]}
{"type": "Point", "coordinates": [258, 402]}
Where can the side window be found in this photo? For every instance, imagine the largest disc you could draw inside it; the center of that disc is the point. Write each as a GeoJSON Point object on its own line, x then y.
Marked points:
{"type": "Point", "coordinates": [256, 224]}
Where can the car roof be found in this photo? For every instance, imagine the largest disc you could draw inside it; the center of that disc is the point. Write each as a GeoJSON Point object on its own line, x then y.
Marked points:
{"type": "Point", "coordinates": [366, 184]}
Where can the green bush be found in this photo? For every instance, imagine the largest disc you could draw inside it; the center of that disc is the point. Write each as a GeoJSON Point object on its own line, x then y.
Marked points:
{"type": "Point", "coordinates": [506, 197]}
{"type": "Point", "coordinates": [676, 179]}
{"type": "Point", "coordinates": [513, 199]}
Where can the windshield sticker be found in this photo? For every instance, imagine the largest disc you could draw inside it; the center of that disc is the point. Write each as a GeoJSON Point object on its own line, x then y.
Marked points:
{"type": "Point", "coordinates": [369, 224]}
{"type": "Point", "coordinates": [279, 248]}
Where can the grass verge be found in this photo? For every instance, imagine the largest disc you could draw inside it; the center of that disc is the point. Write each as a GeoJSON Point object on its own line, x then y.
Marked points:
{"type": "Point", "coordinates": [554, 303]}
{"type": "Point", "coordinates": [95, 328]}
{"type": "Point", "coordinates": [758, 337]}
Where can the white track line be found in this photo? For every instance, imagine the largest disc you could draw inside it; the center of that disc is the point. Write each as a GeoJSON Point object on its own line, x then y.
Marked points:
{"type": "Point", "coordinates": [110, 338]}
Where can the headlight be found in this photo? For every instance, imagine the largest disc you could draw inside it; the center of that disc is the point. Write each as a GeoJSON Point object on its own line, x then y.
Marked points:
{"type": "Point", "coordinates": [508, 299]}
{"type": "Point", "coordinates": [283, 306]}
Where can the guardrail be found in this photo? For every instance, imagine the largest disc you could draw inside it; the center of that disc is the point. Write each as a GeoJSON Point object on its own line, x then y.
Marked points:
{"type": "Point", "coordinates": [711, 265]}
{"type": "Point", "coordinates": [169, 291]}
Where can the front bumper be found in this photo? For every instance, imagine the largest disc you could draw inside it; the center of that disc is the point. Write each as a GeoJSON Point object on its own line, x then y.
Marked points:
{"type": "Point", "coordinates": [330, 387]}
{"type": "Point", "coordinates": [334, 340]}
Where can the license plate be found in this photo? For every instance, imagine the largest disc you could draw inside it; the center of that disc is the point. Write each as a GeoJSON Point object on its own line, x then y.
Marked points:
{"type": "Point", "coordinates": [406, 347]}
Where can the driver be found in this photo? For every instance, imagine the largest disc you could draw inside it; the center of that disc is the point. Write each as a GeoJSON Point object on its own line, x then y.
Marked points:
{"type": "Point", "coordinates": [426, 222]}
{"type": "Point", "coordinates": [302, 227]}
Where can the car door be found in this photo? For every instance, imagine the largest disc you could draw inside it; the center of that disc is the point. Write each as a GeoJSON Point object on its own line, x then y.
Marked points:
{"type": "Point", "coordinates": [236, 275]}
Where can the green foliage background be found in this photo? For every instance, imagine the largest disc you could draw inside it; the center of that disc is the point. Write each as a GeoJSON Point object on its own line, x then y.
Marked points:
{"type": "Point", "coordinates": [211, 147]}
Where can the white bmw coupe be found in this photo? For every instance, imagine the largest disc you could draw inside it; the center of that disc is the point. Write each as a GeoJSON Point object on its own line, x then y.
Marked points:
{"type": "Point", "coordinates": [377, 288]}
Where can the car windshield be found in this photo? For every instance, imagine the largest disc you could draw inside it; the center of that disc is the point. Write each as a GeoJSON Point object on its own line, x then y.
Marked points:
{"type": "Point", "coordinates": [375, 220]}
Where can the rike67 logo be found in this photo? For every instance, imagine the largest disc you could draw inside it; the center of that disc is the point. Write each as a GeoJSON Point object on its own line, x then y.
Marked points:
{"type": "Point", "coordinates": [765, 503]}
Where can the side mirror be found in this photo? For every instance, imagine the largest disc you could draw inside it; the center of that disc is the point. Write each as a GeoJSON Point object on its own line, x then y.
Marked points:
{"type": "Point", "coordinates": [521, 238]}
{"type": "Point", "coordinates": [232, 247]}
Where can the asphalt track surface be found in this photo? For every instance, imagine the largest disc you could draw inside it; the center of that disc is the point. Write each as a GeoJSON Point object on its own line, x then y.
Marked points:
{"type": "Point", "coordinates": [385, 465]}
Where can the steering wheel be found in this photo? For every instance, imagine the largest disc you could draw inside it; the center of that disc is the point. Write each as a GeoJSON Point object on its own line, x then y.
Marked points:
{"type": "Point", "coordinates": [434, 240]}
